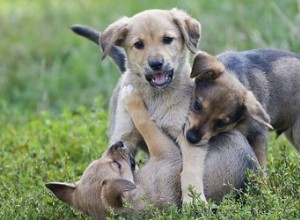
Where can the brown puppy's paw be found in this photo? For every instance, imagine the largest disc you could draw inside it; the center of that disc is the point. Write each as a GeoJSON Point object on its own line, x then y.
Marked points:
{"type": "Point", "coordinates": [130, 97]}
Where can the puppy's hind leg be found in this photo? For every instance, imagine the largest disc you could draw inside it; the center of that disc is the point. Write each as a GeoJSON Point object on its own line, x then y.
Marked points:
{"type": "Point", "coordinates": [296, 134]}
{"type": "Point", "coordinates": [259, 146]}
{"type": "Point", "coordinates": [293, 134]}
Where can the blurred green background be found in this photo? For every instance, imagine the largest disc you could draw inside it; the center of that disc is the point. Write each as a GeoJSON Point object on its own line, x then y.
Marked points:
{"type": "Point", "coordinates": [54, 96]}
{"type": "Point", "coordinates": [44, 66]}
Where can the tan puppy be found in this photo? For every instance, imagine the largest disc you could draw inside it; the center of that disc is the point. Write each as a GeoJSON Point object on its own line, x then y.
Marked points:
{"type": "Point", "coordinates": [111, 181]}
{"type": "Point", "coordinates": [156, 43]}
{"type": "Point", "coordinates": [233, 89]}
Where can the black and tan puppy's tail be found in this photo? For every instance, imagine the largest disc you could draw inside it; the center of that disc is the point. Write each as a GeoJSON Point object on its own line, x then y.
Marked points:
{"type": "Point", "coordinates": [116, 53]}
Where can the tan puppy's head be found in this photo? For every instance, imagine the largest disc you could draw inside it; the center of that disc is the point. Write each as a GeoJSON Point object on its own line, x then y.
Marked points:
{"type": "Point", "coordinates": [220, 102]}
{"type": "Point", "coordinates": [156, 43]}
{"type": "Point", "coordinates": [103, 184]}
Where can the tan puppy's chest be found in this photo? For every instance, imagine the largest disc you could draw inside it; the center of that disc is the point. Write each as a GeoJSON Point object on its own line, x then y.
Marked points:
{"type": "Point", "coordinates": [170, 116]}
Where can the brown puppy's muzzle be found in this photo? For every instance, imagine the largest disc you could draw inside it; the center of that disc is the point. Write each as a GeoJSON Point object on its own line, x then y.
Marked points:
{"type": "Point", "coordinates": [118, 149]}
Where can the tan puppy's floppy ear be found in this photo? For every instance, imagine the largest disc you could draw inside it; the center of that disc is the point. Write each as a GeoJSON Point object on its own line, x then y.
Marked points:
{"type": "Point", "coordinates": [63, 191]}
{"type": "Point", "coordinates": [206, 67]}
{"type": "Point", "coordinates": [189, 27]}
{"type": "Point", "coordinates": [114, 34]}
{"type": "Point", "coordinates": [113, 190]}
{"type": "Point", "coordinates": [256, 110]}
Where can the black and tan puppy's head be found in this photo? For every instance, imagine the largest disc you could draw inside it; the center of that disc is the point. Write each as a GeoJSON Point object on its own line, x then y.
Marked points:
{"type": "Point", "coordinates": [103, 185]}
{"type": "Point", "coordinates": [220, 102]}
{"type": "Point", "coordinates": [155, 42]}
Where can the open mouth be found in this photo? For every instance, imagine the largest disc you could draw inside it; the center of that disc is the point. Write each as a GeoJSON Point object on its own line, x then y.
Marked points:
{"type": "Point", "coordinates": [160, 79]}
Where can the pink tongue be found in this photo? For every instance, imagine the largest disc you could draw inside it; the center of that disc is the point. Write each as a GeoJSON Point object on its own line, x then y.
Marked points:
{"type": "Point", "coordinates": [159, 78]}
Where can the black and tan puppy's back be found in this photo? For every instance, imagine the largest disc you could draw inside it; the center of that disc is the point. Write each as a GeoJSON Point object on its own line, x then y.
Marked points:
{"type": "Point", "coordinates": [250, 90]}
{"type": "Point", "coordinates": [278, 73]}
{"type": "Point", "coordinates": [274, 77]}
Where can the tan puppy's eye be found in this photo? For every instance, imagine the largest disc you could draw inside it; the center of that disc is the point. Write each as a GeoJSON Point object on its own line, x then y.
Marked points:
{"type": "Point", "coordinates": [139, 45]}
{"type": "Point", "coordinates": [117, 164]}
{"type": "Point", "coordinates": [167, 40]}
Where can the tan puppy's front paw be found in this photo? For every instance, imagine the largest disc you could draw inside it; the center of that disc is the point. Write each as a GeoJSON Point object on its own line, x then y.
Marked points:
{"type": "Point", "coordinates": [130, 97]}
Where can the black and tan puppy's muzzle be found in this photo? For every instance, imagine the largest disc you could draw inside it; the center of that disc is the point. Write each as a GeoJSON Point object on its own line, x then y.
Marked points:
{"type": "Point", "coordinates": [159, 74]}
{"type": "Point", "coordinates": [196, 136]}
{"type": "Point", "coordinates": [193, 136]}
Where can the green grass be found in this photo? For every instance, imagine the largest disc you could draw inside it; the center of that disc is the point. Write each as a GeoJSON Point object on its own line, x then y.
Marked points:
{"type": "Point", "coordinates": [54, 96]}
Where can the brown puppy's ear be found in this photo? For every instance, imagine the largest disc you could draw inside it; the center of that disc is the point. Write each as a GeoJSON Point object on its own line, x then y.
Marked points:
{"type": "Point", "coordinates": [114, 34]}
{"type": "Point", "coordinates": [63, 191]}
{"type": "Point", "coordinates": [113, 190]}
{"type": "Point", "coordinates": [206, 67]}
{"type": "Point", "coordinates": [189, 27]}
{"type": "Point", "coordinates": [256, 110]}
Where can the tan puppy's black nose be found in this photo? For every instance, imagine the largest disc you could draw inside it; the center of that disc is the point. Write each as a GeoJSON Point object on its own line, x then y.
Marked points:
{"type": "Point", "coordinates": [156, 64]}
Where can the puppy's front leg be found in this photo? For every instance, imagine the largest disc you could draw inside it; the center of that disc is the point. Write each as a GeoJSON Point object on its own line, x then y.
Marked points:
{"type": "Point", "coordinates": [193, 162]}
{"type": "Point", "coordinates": [122, 127]}
{"type": "Point", "coordinates": [159, 145]}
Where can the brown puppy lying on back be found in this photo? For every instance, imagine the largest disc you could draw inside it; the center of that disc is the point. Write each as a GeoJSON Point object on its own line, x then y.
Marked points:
{"type": "Point", "coordinates": [234, 89]}
{"type": "Point", "coordinates": [111, 181]}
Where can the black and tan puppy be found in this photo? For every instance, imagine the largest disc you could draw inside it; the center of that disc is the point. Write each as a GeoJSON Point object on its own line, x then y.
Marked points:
{"type": "Point", "coordinates": [111, 181]}
{"type": "Point", "coordinates": [234, 89]}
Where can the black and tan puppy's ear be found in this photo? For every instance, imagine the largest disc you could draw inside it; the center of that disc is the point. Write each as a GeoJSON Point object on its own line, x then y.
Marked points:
{"type": "Point", "coordinates": [189, 27]}
{"type": "Point", "coordinates": [63, 191]}
{"type": "Point", "coordinates": [206, 67]}
{"type": "Point", "coordinates": [114, 34]}
{"type": "Point", "coordinates": [256, 111]}
{"type": "Point", "coordinates": [113, 190]}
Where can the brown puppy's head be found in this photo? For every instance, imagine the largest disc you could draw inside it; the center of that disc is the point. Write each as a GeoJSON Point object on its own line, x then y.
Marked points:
{"type": "Point", "coordinates": [156, 43]}
{"type": "Point", "coordinates": [220, 102]}
{"type": "Point", "coordinates": [103, 184]}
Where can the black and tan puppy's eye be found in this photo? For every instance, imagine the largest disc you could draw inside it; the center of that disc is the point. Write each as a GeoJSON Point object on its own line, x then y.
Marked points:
{"type": "Point", "coordinates": [167, 40]}
{"type": "Point", "coordinates": [220, 123]}
{"type": "Point", "coordinates": [139, 45]}
{"type": "Point", "coordinates": [197, 106]}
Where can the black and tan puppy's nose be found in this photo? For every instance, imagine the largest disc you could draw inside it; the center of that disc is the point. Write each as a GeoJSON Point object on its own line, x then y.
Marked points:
{"type": "Point", "coordinates": [193, 137]}
{"type": "Point", "coordinates": [156, 64]}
